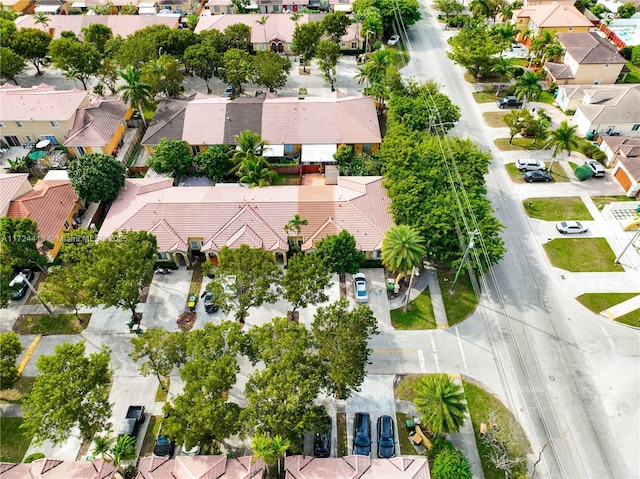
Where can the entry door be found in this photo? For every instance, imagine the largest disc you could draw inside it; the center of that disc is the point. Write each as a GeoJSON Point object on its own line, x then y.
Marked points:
{"type": "Point", "coordinates": [11, 140]}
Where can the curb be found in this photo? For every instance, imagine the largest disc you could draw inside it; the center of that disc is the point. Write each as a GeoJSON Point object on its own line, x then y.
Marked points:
{"type": "Point", "coordinates": [27, 355]}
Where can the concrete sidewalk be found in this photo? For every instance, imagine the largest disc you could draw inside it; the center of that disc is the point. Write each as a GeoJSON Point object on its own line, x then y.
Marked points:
{"type": "Point", "coordinates": [623, 308]}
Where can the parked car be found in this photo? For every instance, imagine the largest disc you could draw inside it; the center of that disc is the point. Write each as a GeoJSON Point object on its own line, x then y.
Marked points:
{"type": "Point", "coordinates": [322, 441]}
{"type": "Point", "coordinates": [209, 304]}
{"type": "Point", "coordinates": [362, 434]}
{"type": "Point", "coordinates": [164, 446]}
{"type": "Point", "coordinates": [133, 419]}
{"type": "Point", "coordinates": [229, 92]}
{"type": "Point", "coordinates": [393, 40]}
{"type": "Point", "coordinates": [194, 451]}
{"type": "Point", "coordinates": [360, 287]}
{"type": "Point", "coordinates": [528, 164]}
{"type": "Point", "coordinates": [386, 437]}
{"type": "Point", "coordinates": [18, 286]}
{"type": "Point", "coordinates": [530, 176]}
{"type": "Point", "coordinates": [596, 167]}
{"type": "Point", "coordinates": [509, 102]}
{"type": "Point", "coordinates": [571, 227]}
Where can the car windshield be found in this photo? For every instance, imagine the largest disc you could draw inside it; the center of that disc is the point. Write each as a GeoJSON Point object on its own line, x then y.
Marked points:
{"type": "Point", "coordinates": [386, 442]}
{"type": "Point", "coordinates": [162, 440]}
{"type": "Point", "coordinates": [362, 440]}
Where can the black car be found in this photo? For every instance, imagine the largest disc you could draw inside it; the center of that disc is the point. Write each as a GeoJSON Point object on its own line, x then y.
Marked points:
{"type": "Point", "coordinates": [209, 304]}
{"type": "Point", "coordinates": [386, 437]}
{"type": "Point", "coordinates": [229, 92]}
{"type": "Point", "coordinates": [509, 102]}
{"type": "Point", "coordinates": [18, 286]}
{"type": "Point", "coordinates": [322, 440]}
{"type": "Point", "coordinates": [164, 446]}
{"type": "Point", "coordinates": [530, 176]}
{"type": "Point", "coordinates": [362, 434]}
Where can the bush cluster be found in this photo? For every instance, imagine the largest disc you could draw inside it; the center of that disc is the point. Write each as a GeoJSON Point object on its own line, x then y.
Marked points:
{"type": "Point", "coordinates": [583, 172]}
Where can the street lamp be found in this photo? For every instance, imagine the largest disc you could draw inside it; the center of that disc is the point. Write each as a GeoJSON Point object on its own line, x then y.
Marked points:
{"type": "Point", "coordinates": [160, 50]}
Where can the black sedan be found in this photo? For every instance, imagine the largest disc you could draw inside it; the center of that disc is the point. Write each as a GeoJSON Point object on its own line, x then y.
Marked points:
{"type": "Point", "coordinates": [18, 285]}
{"type": "Point", "coordinates": [210, 305]}
{"type": "Point", "coordinates": [386, 437]}
{"type": "Point", "coordinates": [322, 441]}
{"type": "Point", "coordinates": [530, 176]}
{"type": "Point", "coordinates": [164, 446]}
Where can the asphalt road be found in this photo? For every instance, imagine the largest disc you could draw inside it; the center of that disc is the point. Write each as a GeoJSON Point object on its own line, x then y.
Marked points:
{"type": "Point", "coordinates": [571, 379]}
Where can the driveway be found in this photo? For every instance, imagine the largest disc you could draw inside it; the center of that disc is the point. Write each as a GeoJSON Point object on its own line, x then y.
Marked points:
{"type": "Point", "coordinates": [378, 300]}
{"type": "Point", "coordinates": [167, 299]}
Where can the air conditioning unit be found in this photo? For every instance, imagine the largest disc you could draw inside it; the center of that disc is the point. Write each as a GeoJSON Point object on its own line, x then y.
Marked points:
{"type": "Point", "coordinates": [609, 16]}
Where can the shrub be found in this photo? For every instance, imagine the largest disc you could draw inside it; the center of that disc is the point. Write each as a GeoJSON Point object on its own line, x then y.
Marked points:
{"type": "Point", "coordinates": [599, 10]}
{"type": "Point", "coordinates": [439, 444]}
{"type": "Point", "coordinates": [10, 349]}
{"type": "Point", "coordinates": [583, 172]}
{"type": "Point", "coordinates": [627, 10]}
{"type": "Point", "coordinates": [33, 457]}
{"type": "Point", "coordinates": [600, 156]}
{"type": "Point", "coordinates": [635, 56]}
{"type": "Point", "coordinates": [518, 72]}
{"type": "Point", "coordinates": [589, 150]}
{"type": "Point", "coordinates": [626, 52]}
{"type": "Point", "coordinates": [451, 464]}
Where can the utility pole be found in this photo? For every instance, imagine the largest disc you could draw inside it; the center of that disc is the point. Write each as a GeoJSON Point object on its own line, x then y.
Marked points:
{"type": "Point", "coordinates": [464, 258]}
{"type": "Point", "coordinates": [633, 240]}
{"type": "Point", "coordinates": [406, 298]}
{"type": "Point", "coordinates": [33, 290]}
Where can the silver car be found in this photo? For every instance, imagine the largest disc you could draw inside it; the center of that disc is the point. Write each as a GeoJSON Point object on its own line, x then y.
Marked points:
{"type": "Point", "coordinates": [529, 164]}
{"type": "Point", "coordinates": [571, 227]}
{"type": "Point", "coordinates": [360, 288]}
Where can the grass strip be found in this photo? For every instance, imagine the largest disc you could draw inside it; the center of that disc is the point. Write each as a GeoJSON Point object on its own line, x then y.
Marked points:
{"type": "Point", "coordinates": [581, 255]}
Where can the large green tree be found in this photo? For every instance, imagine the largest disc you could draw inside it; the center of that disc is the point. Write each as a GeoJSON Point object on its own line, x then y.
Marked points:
{"type": "Point", "coordinates": [392, 12]}
{"type": "Point", "coordinates": [201, 414]}
{"type": "Point", "coordinates": [141, 46]}
{"type": "Point", "coordinates": [327, 54]}
{"type": "Point", "coordinates": [441, 403]}
{"type": "Point", "coordinates": [163, 75]}
{"type": "Point", "coordinates": [98, 35]}
{"type": "Point", "coordinates": [21, 244]}
{"type": "Point", "coordinates": [10, 349]}
{"type": "Point", "coordinates": [160, 351]}
{"type": "Point", "coordinates": [78, 60]}
{"type": "Point", "coordinates": [305, 280]}
{"type": "Point", "coordinates": [32, 44]}
{"type": "Point", "coordinates": [237, 36]}
{"type": "Point", "coordinates": [238, 68]}
{"type": "Point", "coordinates": [171, 156]}
{"type": "Point", "coordinates": [271, 70]}
{"type": "Point", "coordinates": [204, 61]}
{"type": "Point", "coordinates": [449, 7]}
{"type": "Point", "coordinates": [7, 31]}
{"type": "Point", "coordinates": [335, 25]}
{"type": "Point", "coordinates": [96, 177]}
{"type": "Point", "coordinates": [475, 49]}
{"type": "Point", "coordinates": [341, 337]}
{"type": "Point", "coordinates": [6, 274]}
{"type": "Point", "coordinates": [11, 65]}
{"type": "Point", "coordinates": [257, 277]}
{"type": "Point", "coordinates": [215, 161]}
{"type": "Point", "coordinates": [306, 37]}
{"type": "Point", "coordinates": [71, 390]}
{"type": "Point", "coordinates": [563, 138]}
{"type": "Point", "coordinates": [339, 253]}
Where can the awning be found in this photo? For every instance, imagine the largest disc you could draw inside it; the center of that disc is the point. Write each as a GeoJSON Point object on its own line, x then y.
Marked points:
{"type": "Point", "coordinates": [318, 153]}
{"type": "Point", "coordinates": [147, 10]}
{"type": "Point", "coordinates": [79, 5]}
{"type": "Point", "coordinates": [146, 4]}
{"type": "Point", "coordinates": [273, 150]}
{"type": "Point", "coordinates": [47, 8]}
{"type": "Point", "coordinates": [343, 8]}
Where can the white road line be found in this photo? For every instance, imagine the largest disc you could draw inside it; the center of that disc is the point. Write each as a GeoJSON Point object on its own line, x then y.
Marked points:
{"type": "Point", "coordinates": [435, 352]}
{"type": "Point", "coordinates": [464, 359]}
{"type": "Point", "coordinates": [423, 367]}
{"type": "Point", "coordinates": [606, 335]}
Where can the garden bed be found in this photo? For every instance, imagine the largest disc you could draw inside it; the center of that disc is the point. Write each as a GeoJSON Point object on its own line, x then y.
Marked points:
{"type": "Point", "coordinates": [46, 324]}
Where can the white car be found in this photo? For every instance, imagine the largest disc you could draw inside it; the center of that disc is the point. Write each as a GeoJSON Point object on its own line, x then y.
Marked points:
{"type": "Point", "coordinates": [528, 164]}
{"type": "Point", "coordinates": [596, 167]}
{"type": "Point", "coordinates": [571, 227]}
{"type": "Point", "coordinates": [393, 40]}
{"type": "Point", "coordinates": [360, 288]}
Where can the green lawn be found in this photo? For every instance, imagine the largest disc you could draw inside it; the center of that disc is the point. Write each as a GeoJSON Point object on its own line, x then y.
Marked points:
{"type": "Point", "coordinates": [161, 394]}
{"type": "Point", "coordinates": [494, 119]}
{"type": "Point", "coordinates": [518, 144]}
{"type": "Point", "coordinates": [557, 173]}
{"type": "Point", "coordinates": [286, 180]}
{"type": "Point", "coordinates": [546, 97]}
{"type": "Point", "coordinates": [557, 209]}
{"type": "Point", "coordinates": [13, 441]}
{"type": "Point", "coordinates": [484, 97]}
{"type": "Point", "coordinates": [460, 305]}
{"type": "Point", "coordinates": [602, 201]}
{"type": "Point", "coordinates": [150, 436]}
{"type": "Point", "coordinates": [598, 302]}
{"type": "Point", "coordinates": [405, 389]}
{"type": "Point", "coordinates": [634, 76]}
{"type": "Point", "coordinates": [406, 445]}
{"type": "Point", "coordinates": [514, 173]}
{"type": "Point", "coordinates": [46, 324]}
{"type": "Point", "coordinates": [484, 407]}
{"type": "Point", "coordinates": [419, 314]}
{"type": "Point", "coordinates": [582, 255]}
{"type": "Point", "coordinates": [632, 318]}
{"type": "Point", "coordinates": [17, 393]}
{"type": "Point", "coordinates": [341, 428]}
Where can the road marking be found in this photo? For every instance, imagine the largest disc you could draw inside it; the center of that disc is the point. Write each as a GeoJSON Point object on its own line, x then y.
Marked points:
{"type": "Point", "coordinates": [423, 367]}
{"type": "Point", "coordinates": [27, 355]}
{"type": "Point", "coordinates": [464, 359]}
{"type": "Point", "coordinates": [606, 335]}
{"type": "Point", "coordinates": [394, 351]}
{"type": "Point", "coordinates": [435, 352]}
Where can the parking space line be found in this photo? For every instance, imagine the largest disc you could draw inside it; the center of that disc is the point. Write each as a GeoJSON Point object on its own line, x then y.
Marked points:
{"type": "Point", "coordinates": [435, 352]}
{"type": "Point", "coordinates": [464, 359]}
{"type": "Point", "coordinates": [423, 367]}
{"type": "Point", "coordinates": [394, 351]}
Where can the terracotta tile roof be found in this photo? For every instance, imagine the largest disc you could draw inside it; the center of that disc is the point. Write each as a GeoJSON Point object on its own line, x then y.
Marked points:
{"type": "Point", "coordinates": [199, 467]}
{"type": "Point", "coordinates": [553, 15]}
{"type": "Point", "coordinates": [123, 25]}
{"type": "Point", "coordinates": [39, 103]}
{"type": "Point", "coordinates": [58, 469]}
{"type": "Point", "coordinates": [49, 204]}
{"type": "Point", "coordinates": [356, 467]}
{"type": "Point", "coordinates": [236, 214]}
{"type": "Point", "coordinates": [589, 48]}
{"type": "Point", "coordinates": [212, 121]}
{"type": "Point", "coordinates": [10, 185]}
{"type": "Point", "coordinates": [96, 123]}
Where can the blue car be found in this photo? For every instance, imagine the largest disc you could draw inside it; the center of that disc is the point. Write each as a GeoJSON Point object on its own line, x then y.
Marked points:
{"type": "Point", "coordinates": [386, 437]}
{"type": "Point", "coordinates": [362, 434]}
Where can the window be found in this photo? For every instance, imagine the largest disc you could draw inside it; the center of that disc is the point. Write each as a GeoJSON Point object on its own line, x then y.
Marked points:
{"type": "Point", "coordinates": [216, 8]}
{"type": "Point", "coordinates": [52, 139]}
{"type": "Point", "coordinates": [635, 127]}
{"type": "Point", "coordinates": [194, 244]}
{"type": "Point", "coordinates": [366, 147]}
{"type": "Point", "coordinates": [288, 148]}
{"type": "Point", "coordinates": [354, 45]}
{"type": "Point", "coordinates": [163, 256]}
{"type": "Point", "coordinates": [597, 81]}
{"type": "Point", "coordinates": [55, 124]}
{"type": "Point", "coordinates": [2, 124]}
{"type": "Point", "coordinates": [343, 44]}
{"type": "Point", "coordinates": [81, 151]}
{"type": "Point", "coordinates": [19, 124]}
{"type": "Point", "coordinates": [195, 150]}
{"type": "Point", "coordinates": [66, 225]}
{"type": "Point", "coordinates": [275, 8]}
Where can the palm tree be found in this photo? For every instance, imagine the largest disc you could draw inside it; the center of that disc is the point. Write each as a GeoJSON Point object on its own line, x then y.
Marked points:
{"type": "Point", "coordinates": [563, 138]}
{"type": "Point", "coordinates": [480, 8]}
{"type": "Point", "coordinates": [103, 445]}
{"type": "Point", "coordinates": [506, 33]}
{"type": "Point", "coordinates": [135, 91]}
{"type": "Point", "coordinates": [373, 71]}
{"type": "Point", "coordinates": [528, 86]}
{"type": "Point", "coordinates": [295, 224]}
{"type": "Point", "coordinates": [125, 448]}
{"type": "Point", "coordinates": [262, 22]}
{"type": "Point", "coordinates": [251, 147]}
{"type": "Point", "coordinates": [505, 68]}
{"type": "Point", "coordinates": [441, 403]}
{"type": "Point", "coordinates": [551, 52]}
{"type": "Point", "coordinates": [402, 250]}
{"type": "Point", "coordinates": [269, 449]}
{"type": "Point", "coordinates": [255, 173]}
{"type": "Point", "coordinates": [539, 43]}
{"type": "Point", "coordinates": [40, 18]}
{"type": "Point", "coordinates": [358, 17]}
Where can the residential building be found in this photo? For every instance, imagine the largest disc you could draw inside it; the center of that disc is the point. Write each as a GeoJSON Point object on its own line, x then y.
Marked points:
{"type": "Point", "coordinates": [589, 59]}
{"type": "Point", "coordinates": [16, 6]}
{"type": "Point", "coordinates": [52, 204]}
{"type": "Point", "coordinates": [532, 20]}
{"type": "Point", "coordinates": [29, 115]}
{"type": "Point", "coordinates": [277, 32]}
{"type": "Point", "coordinates": [99, 127]}
{"type": "Point", "coordinates": [12, 185]}
{"type": "Point", "coordinates": [197, 221]}
{"type": "Point", "coordinates": [123, 25]}
{"type": "Point", "coordinates": [53, 7]}
{"type": "Point", "coordinates": [609, 112]}
{"type": "Point", "coordinates": [623, 155]}
{"type": "Point", "coordinates": [56, 469]}
{"type": "Point", "coordinates": [362, 467]}
{"type": "Point", "coordinates": [209, 467]}
{"type": "Point", "coordinates": [570, 96]}
{"type": "Point", "coordinates": [290, 126]}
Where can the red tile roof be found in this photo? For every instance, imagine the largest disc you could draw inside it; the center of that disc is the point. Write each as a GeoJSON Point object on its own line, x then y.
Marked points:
{"type": "Point", "coordinates": [199, 467]}
{"type": "Point", "coordinates": [49, 204]}
{"type": "Point", "coordinates": [39, 103]}
{"type": "Point", "coordinates": [10, 185]}
{"type": "Point", "coordinates": [96, 123]}
{"type": "Point", "coordinates": [356, 467]}
{"type": "Point", "coordinates": [58, 469]}
{"type": "Point", "coordinates": [230, 214]}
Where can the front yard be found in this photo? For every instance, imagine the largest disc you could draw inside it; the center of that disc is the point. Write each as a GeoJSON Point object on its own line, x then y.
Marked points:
{"type": "Point", "coordinates": [557, 173]}
{"type": "Point", "coordinates": [557, 209]}
{"type": "Point", "coordinates": [46, 324]}
{"type": "Point", "coordinates": [419, 314]}
{"type": "Point", "coordinates": [582, 255]}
